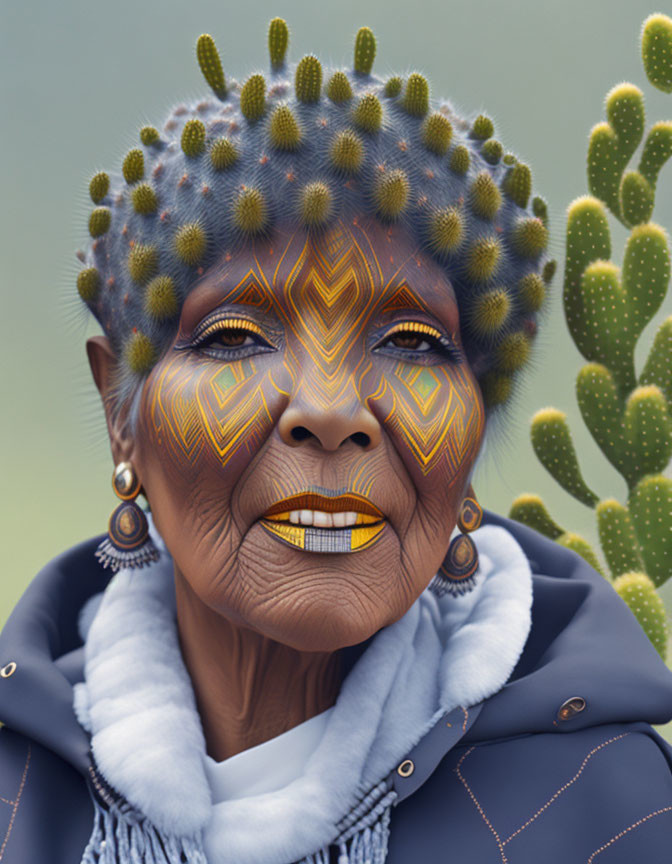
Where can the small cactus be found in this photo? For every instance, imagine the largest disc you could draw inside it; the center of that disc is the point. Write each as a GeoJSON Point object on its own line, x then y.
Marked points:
{"type": "Point", "coordinates": [139, 353]}
{"type": "Point", "coordinates": [391, 191]}
{"type": "Point", "coordinates": [531, 292]}
{"type": "Point", "coordinates": [446, 230]}
{"type": "Point", "coordinates": [193, 137]}
{"type": "Point", "coordinates": [223, 154]}
{"type": "Point", "coordinates": [278, 39]}
{"type": "Point", "coordinates": [492, 151]}
{"type": "Point", "coordinates": [143, 261]}
{"type": "Point", "coordinates": [393, 86]}
{"type": "Point", "coordinates": [636, 198]}
{"type": "Point", "coordinates": [460, 160]}
{"type": "Point", "coordinates": [149, 135]}
{"type": "Point", "coordinates": [99, 221]}
{"type": "Point", "coordinates": [484, 196]}
{"type": "Point", "coordinates": [283, 129]}
{"type": "Point", "coordinates": [211, 65]}
{"type": "Point", "coordinates": [530, 237]}
{"type": "Point", "coordinates": [253, 97]}
{"type": "Point", "coordinates": [540, 209]}
{"type": "Point", "coordinates": [308, 79]}
{"type": "Point", "coordinates": [99, 186]}
{"type": "Point", "coordinates": [490, 312]}
{"type": "Point", "coordinates": [365, 51]}
{"type": "Point", "coordinates": [517, 184]}
{"type": "Point", "coordinates": [161, 298]}
{"type": "Point", "coordinates": [437, 132]}
{"type": "Point", "coordinates": [347, 151]}
{"type": "Point", "coordinates": [483, 259]}
{"type": "Point", "coordinates": [482, 128]}
{"type": "Point", "coordinates": [133, 167]}
{"type": "Point", "coordinates": [416, 95]}
{"type": "Point", "coordinates": [368, 113]}
{"type": "Point", "coordinates": [316, 204]}
{"type": "Point", "coordinates": [88, 284]}
{"type": "Point", "coordinates": [144, 199]}
{"type": "Point", "coordinates": [513, 351]}
{"type": "Point", "coordinates": [338, 88]}
{"type": "Point", "coordinates": [190, 243]}
{"type": "Point", "coordinates": [250, 212]}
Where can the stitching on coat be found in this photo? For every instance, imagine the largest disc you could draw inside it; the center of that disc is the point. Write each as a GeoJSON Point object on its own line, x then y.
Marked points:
{"type": "Point", "coordinates": [565, 786]}
{"type": "Point", "coordinates": [480, 809]}
{"type": "Point", "coordinates": [16, 803]}
{"type": "Point", "coordinates": [629, 828]}
{"type": "Point", "coordinates": [466, 715]}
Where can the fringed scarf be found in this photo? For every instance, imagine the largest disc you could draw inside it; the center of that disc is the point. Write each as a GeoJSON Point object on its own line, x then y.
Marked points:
{"type": "Point", "coordinates": [150, 790]}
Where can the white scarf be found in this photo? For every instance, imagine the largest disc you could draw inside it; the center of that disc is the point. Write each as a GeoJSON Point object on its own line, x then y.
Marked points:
{"type": "Point", "coordinates": [137, 702]}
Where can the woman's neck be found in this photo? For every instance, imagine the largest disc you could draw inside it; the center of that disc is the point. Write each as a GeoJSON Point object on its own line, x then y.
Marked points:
{"type": "Point", "coordinates": [248, 687]}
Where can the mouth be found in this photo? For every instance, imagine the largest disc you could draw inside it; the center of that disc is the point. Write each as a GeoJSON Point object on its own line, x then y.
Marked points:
{"type": "Point", "coordinates": [320, 522]}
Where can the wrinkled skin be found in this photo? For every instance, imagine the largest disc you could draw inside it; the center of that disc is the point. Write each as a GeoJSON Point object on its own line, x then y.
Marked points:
{"type": "Point", "coordinates": [308, 392]}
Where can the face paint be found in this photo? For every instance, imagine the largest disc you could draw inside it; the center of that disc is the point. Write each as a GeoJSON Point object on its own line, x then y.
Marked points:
{"type": "Point", "coordinates": [315, 403]}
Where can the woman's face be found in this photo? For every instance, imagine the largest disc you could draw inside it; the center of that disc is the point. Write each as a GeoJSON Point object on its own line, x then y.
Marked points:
{"type": "Point", "coordinates": [306, 441]}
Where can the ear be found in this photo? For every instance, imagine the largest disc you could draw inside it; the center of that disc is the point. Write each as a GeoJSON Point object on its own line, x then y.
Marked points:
{"type": "Point", "coordinates": [104, 368]}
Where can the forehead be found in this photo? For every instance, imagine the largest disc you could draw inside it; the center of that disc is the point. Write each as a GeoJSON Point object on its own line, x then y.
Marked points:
{"type": "Point", "coordinates": [351, 266]}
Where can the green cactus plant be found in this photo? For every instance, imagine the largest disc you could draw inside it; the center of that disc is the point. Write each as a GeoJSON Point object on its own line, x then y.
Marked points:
{"type": "Point", "coordinates": [606, 308]}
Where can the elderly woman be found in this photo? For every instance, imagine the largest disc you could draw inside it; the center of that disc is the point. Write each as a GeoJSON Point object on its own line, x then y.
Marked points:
{"type": "Point", "coordinates": [314, 645]}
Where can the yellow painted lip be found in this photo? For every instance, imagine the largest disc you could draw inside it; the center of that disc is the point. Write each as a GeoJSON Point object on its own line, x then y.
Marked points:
{"type": "Point", "coordinates": [327, 503]}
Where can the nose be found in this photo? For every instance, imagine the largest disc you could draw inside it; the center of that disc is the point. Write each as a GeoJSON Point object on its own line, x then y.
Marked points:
{"type": "Point", "coordinates": [330, 427]}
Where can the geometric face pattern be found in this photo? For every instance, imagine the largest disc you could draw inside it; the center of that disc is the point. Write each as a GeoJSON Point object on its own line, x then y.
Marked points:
{"type": "Point", "coordinates": [323, 305]}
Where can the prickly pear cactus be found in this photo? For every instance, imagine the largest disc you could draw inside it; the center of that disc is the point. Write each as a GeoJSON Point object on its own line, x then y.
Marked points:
{"type": "Point", "coordinates": [629, 414]}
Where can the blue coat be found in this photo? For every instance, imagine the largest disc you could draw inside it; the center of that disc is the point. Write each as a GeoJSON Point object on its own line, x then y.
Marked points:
{"type": "Point", "coordinates": [519, 782]}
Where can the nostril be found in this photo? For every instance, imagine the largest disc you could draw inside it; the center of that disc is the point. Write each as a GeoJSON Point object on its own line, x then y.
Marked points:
{"type": "Point", "coordinates": [360, 438]}
{"type": "Point", "coordinates": [300, 433]}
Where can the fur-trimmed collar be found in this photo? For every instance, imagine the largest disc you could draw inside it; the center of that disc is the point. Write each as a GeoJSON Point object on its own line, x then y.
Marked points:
{"type": "Point", "coordinates": [137, 702]}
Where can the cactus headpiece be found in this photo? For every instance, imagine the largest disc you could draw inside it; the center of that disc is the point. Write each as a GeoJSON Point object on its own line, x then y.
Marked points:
{"type": "Point", "coordinates": [306, 146]}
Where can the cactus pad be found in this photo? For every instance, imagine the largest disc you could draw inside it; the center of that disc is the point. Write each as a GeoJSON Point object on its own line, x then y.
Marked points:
{"type": "Point", "coordinates": [283, 129]}
{"type": "Point", "coordinates": [250, 211]}
{"type": "Point", "coordinates": [338, 88]}
{"type": "Point", "coordinates": [99, 186]}
{"type": "Point", "coordinates": [391, 191]}
{"type": "Point", "coordinates": [161, 298]}
{"type": "Point", "coordinates": [657, 51]}
{"type": "Point", "coordinates": [416, 95]}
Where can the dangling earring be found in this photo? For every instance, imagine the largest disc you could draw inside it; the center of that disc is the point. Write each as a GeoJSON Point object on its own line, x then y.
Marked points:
{"type": "Point", "coordinates": [456, 575]}
{"type": "Point", "coordinates": [128, 543]}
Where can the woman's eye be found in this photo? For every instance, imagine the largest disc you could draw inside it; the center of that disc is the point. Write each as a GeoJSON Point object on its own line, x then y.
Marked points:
{"type": "Point", "coordinates": [416, 339]}
{"type": "Point", "coordinates": [410, 341]}
{"type": "Point", "coordinates": [231, 338]}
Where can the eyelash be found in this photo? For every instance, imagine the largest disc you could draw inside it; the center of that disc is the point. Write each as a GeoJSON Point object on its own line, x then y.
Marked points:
{"type": "Point", "coordinates": [208, 329]}
{"type": "Point", "coordinates": [436, 339]}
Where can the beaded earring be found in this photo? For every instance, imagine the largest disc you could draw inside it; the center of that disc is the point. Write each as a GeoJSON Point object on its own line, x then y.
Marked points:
{"type": "Point", "coordinates": [457, 573]}
{"type": "Point", "coordinates": [128, 543]}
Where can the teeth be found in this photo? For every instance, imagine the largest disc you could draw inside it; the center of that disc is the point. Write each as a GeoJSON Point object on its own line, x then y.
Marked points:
{"type": "Point", "coordinates": [321, 519]}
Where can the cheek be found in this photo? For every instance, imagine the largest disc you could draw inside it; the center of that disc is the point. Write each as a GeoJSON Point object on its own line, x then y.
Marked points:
{"type": "Point", "coordinates": [212, 415]}
{"type": "Point", "coordinates": [435, 418]}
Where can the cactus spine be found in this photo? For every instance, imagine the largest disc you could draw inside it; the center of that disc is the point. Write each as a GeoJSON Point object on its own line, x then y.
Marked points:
{"type": "Point", "coordinates": [606, 308]}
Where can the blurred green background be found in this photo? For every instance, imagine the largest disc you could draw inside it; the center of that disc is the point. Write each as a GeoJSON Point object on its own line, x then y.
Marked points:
{"type": "Point", "coordinates": [78, 79]}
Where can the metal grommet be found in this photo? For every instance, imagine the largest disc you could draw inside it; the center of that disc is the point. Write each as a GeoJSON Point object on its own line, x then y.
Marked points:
{"type": "Point", "coordinates": [8, 670]}
{"type": "Point", "coordinates": [406, 768]}
{"type": "Point", "coordinates": [570, 707]}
